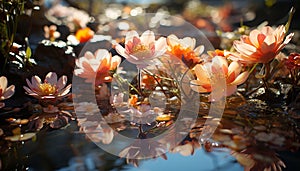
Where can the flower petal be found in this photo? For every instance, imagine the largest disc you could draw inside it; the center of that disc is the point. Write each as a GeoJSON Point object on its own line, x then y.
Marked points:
{"type": "Point", "coordinates": [9, 92]}
{"type": "Point", "coordinates": [35, 82]}
{"type": "Point", "coordinates": [61, 83]}
{"type": "Point", "coordinates": [3, 83]}
{"type": "Point", "coordinates": [51, 78]}
{"type": "Point", "coordinates": [241, 78]}
{"type": "Point", "coordinates": [130, 35]}
{"type": "Point", "coordinates": [230, 89]}
{"type": "Point", "coordinates": [147, 37]}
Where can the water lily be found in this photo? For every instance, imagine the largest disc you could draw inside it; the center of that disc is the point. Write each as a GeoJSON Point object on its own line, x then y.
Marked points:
{"type": "Point", "coordinates": [5, 92]}
{"type": "Point", "coordinates": [232, 74]}
{"type": "Point", "coordinates": [140, 50]}
{"type": "Point", "coordinates": [97, 67]}
{"type": "Point", "coordinates": [51, 88]}
{"type": "Point", "coordinates": [185, 50]}
{"type": "Point", "coordinates": [261, 46]}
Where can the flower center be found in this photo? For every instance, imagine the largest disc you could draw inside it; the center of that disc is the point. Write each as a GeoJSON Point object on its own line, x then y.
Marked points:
{"type": "Point", "coordinates": [181, 52]}
{"type": "Point", "coordinates": [47, 89]}
{"type": "Point", "coordinates": [140, 48]}
{"type": "Point", "coordinates": [1, 91]}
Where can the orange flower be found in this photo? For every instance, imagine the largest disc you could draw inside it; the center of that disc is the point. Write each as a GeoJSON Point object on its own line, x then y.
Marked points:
{"type": "Point", "coordinates": [184, 50]}
{"type": "Point", "coordinates": [261, 46]}
{"type": "Point", "coordinates": [98, 65]}
{"type": "Point", "coordinates": [84, 35]}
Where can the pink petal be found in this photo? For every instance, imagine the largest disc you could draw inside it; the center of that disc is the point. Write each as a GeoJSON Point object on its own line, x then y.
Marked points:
{"type": "Point", "coordinates": [51, 78]}
{"type": "Point", "coordinates": [28, 90]}
{"type": "Point", "coordinates": [230, 89]}
{"type": "Point", "coordinates": [240, 79]}
{"type": "Point", "coordinates": [196, 85]}
{"type": "Point", "coordinates": [147, 37]}
{"type": "Point", "coordinates": [9, 92]}
{"type": "Point", "coordinates": [130, 35]}
{"type": "Point", "coordinates": [235, 68]}
{"type": "Point", "coordinates": [29, 83]}
{"type": "Point", "coordinates": [244, 48]}
{"type": "Point", "coordinates": [65, 91]}
{"type": "Point", "coordinates": [160, 46]}
{"type": "Point", "coordinates": [219, 62]}
{"type": "Point", "coordinates": [61, 83]}
{"type": "Point", "coordinates": [199, 50]}
{"type": "Point", "coordinates": [254, 37]}
{"type": "Point", "coordinates": [267, 30]}
{"type": "Point", "coordinates": [188, 42]}
{"type": "Point", "coordinates": [3, 83]}
{"type": "Point", "coordinates": [35, 82]}
{"type": "Point", "coordinates": [172, 40]}
{"type": "Point", "coordinates": [121, 51]}
{"type": "Point", "coordinates": [202, 74]}
{"type": "Point", "coordinates": [89, 55]}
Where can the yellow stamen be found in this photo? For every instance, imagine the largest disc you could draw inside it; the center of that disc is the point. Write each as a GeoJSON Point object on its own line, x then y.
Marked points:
{"type": "Point", "coordinates": [47, 89]}
{"type": "Point", "coordinates": [139, 48]}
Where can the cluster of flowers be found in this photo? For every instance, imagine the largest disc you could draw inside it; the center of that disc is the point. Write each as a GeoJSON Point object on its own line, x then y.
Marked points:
{"type": "Point", "coordinates": [260, 46]}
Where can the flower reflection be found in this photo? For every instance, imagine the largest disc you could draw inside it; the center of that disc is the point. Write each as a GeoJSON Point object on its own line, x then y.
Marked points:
{"type": "Point", "coordinates": [142, 114]}
{"type": "Point", "coordinates": [140, 50]}
{"type": "Point", "coordinates": [261, 46]}
{"type": "Point", "coordinates": [50, 89]}
{"type": "Point", "coordinates": [187, 147]}
{"type": "Point", "coordinates": [259, 158]}
{"type": "Point", "coordinates": [5, 92]}
{"type": "Point", "coordinates": [143, 149]}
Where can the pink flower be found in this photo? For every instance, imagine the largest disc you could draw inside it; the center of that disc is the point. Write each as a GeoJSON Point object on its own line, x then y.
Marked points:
{"type": "Point", "coordinates": [261, 46]}
{"type": "Point", "coordinates": [233, 75]}
{"type": "Point", "coordinates": [97, 66]}
{"type": "Point", "coordinates": [141, 50]}
{"type": "Point", "coordinates": [5, 92]}
{"type": "Point", "coordinates": [50, 89]}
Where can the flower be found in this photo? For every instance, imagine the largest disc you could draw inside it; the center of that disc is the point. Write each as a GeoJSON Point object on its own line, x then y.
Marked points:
{"type": "Point", "coordinates": [261, 46]}
{"type": "Point", "coordinates": [232, 73]}
{"type": "Point", "coordinates": [141, 50]}
{"type": "Point", "coordinates": [50, 89]}
{"type": "Point", "coordinates": [98, 65]}
{"type": "Point", "coordinates": [5, 92]}
{"type": "Point", "coordinates": [293, 61]}
{"type": "Point", "coordinates": [84, 34]}
{"type": "Point", "coordinates": [51, 33]}
{"type": "Point", "coordinates": [184, 49]}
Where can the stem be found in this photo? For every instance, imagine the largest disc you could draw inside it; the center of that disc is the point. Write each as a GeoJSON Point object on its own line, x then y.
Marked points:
{"type": "Point", "coordinates": [139, 79]}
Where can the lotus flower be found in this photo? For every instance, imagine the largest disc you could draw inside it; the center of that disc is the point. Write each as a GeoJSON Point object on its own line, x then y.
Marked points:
{"type": "Point", "coordinates": [5, 92]}
{"type": "Point", "coordinates": [261, 46]}
{"type": "Point", "coordinates": [50, 89]}
{"type": "Point", "coordinates": [141, 50]}
{"type": "Point", "coordinates": [185, 50]}
{"type": "Point", "coordinates": [98, 65]}
{"type": "Point", "coordinates": [232, 75]}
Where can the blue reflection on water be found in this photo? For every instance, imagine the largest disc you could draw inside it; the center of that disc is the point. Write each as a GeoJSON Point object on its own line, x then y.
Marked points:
{"type": "Point", "coordinates": [201, 160]}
